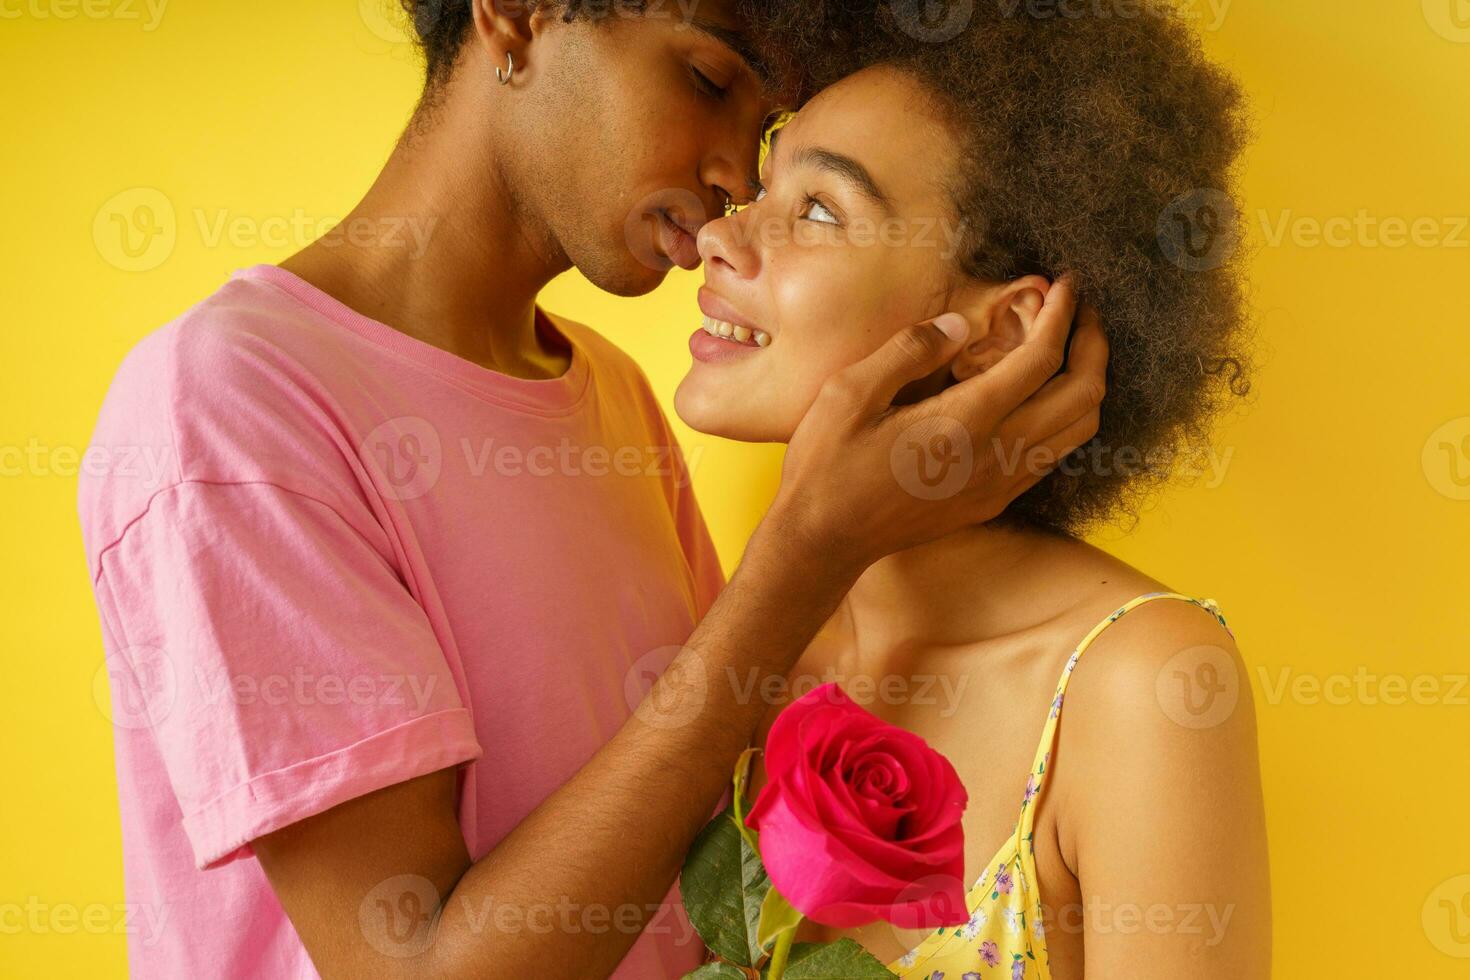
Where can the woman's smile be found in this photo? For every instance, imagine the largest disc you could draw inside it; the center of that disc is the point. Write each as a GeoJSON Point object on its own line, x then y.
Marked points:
{"type": "Point", "coordinates": [709, 346]}
{"type": "Point", "coordinates": [726, 332]}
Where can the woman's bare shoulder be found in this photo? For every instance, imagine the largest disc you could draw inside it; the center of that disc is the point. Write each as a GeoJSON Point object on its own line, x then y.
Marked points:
{"type": "Point", "coordinates": [1097, 582]}
{"type": "Point", "coordinates": [1164, 659]}
{"type": "Point", "coordinates": [1161, 694]}
{"type": "Point", "coordinates": [1156, 752]}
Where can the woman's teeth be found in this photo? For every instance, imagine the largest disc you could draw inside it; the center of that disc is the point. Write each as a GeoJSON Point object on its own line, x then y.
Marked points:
{"type": "Point", "coordinates": [741, 335]}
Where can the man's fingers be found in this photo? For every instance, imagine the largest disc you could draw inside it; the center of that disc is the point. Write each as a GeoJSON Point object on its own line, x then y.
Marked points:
{"type": "Point", "coordinates": [1071, 395]}
{"type": "Point", "coordinates": [1028, 367]}
{"type": "Point", "coordinates": [1043, 458]}
{"type": "Point", "coordinates": [909, 355]}
{"type": "Point", "coordinates": [1089, 357]}
{"type": "Point", "coordinates": [982, 401]}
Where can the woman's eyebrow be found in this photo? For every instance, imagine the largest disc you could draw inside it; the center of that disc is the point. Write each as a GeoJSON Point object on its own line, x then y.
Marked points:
{"type": "Point", "coordinates": [846, 168]}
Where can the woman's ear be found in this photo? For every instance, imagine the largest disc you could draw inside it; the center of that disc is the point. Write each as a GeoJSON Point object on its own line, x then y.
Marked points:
{"type": "Point", "coordinates": [1000, 320]}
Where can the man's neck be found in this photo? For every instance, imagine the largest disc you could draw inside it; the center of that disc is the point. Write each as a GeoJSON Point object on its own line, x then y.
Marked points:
{"type": "Point", "coordinates": [437, 250]}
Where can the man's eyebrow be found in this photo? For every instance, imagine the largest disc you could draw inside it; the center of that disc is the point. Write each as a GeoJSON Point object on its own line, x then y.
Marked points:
{"type": "Point", "coordinates": [845, 167]}
{"type": "Point", "coordinates": [737, 42]}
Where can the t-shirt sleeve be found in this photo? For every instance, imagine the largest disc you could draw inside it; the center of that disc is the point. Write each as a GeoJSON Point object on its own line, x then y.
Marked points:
{"type": "Point", "coordinates": [289, 666]}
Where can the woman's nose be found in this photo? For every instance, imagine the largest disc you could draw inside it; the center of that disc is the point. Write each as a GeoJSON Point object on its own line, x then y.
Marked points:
{"type": "Point", "coordinates": [724, 246]}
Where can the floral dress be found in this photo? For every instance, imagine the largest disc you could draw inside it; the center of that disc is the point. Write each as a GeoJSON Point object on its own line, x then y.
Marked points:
{"type": "Point", "coordinates": [1005, 938]}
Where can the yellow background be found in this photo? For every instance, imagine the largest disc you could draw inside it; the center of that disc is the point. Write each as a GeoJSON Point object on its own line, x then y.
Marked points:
{"type": "Point", "coordinates": [1336, 541]}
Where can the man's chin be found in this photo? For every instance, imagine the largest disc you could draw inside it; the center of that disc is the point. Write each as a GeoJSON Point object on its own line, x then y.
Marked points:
{"type": "Point", "coordinates": [615, 269]}
{"type": "Point", "coordinates": [634, 280]}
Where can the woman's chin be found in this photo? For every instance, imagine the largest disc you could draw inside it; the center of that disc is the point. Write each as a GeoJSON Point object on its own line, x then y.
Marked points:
{"type": "Point", "coordinates": [694, 409]}
{"type": "Point", "coordinates": [702, 411]}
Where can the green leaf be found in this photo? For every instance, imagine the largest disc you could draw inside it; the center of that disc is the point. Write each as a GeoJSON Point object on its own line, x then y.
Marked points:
{"type": "Point", "coordinates": [716, 971]}
{"type": "Point", "coordinates": [724, 885]}
{"type": "Point", "coordinates": [754, 883]}
{"type": "Point", "coordinates": [742, 776]}
{"type": "Point", "coordinates": [777, 916]}
{"type": "Point", "coordinates": [842, 960]}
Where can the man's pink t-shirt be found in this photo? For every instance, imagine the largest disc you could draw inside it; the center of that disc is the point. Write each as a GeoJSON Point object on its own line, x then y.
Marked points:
{"type": "Point", "coordinates": [329, 558]}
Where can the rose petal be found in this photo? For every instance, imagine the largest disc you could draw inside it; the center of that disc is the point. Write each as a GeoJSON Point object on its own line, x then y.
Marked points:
{"type": "Point", "coordinates": [860, 820]}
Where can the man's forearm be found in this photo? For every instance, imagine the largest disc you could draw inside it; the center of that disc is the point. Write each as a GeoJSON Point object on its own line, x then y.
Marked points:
{"type": "Point", "coordinates": [615, 835]}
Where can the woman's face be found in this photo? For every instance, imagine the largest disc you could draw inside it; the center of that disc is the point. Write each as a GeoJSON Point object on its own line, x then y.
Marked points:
{"type": "Point", "coordinates": [852, 240]}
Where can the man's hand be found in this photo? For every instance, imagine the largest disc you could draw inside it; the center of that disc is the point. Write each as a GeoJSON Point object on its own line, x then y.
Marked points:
{"type": "Point", "coordinates": [864, 478]}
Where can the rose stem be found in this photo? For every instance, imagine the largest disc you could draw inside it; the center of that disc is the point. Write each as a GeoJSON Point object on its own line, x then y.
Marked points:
{"type": "Point", "coordinates": [779, 954]}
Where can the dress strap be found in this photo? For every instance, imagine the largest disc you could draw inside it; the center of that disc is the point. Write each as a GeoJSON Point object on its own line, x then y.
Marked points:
{"type": "Point", "coordinates": [1049, 732]}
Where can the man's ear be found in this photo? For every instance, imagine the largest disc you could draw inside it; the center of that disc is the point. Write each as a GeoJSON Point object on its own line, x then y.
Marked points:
{"type": "Point", "coordinates": [501, 28]}
{"type": "Point", "coordinates": [1000, 319]}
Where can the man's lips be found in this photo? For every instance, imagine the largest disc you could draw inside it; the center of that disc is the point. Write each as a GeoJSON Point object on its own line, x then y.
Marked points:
{"type": "Point", "coordinates": [680, 244]}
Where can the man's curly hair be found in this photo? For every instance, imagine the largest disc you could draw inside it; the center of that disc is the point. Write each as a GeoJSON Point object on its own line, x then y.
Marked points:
{"type": "Point", "coordinates": [443, 25]}
{"type": "Point", "coordinates": [1098, 140]}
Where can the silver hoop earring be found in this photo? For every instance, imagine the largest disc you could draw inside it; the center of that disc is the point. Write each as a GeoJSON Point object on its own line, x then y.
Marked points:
{"type": "Point", "coordinates": [502, 75]}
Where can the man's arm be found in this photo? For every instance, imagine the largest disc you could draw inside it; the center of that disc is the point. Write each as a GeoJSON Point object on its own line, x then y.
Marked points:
{"type": "Point", "coordinates": [615, 834]}
{"type": "Point", "coordinates": [612, 838]}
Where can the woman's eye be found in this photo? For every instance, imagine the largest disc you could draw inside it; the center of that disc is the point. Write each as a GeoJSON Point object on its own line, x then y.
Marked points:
{"type": "Point", "coordinates": [817, 211]}
{"type": "Point", "coordinates": [760, 193]}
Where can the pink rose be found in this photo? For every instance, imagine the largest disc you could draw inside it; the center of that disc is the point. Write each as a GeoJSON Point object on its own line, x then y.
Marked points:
{"type": "Point", "coordinates": [859, 820]}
